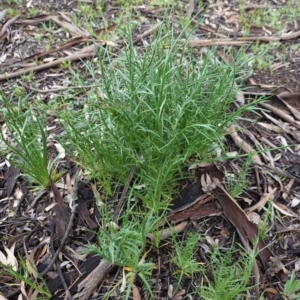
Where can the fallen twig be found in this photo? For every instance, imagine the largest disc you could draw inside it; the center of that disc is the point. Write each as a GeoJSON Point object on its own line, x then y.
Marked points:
{"type": "Point", "coordinates": [90, 283]}
{"type": "Point", "coordinates": [66, 45]}
{"type": "Point", "coordinates": [165, 233]}
{"type": "Point", "coordinates": [59, 89]}
{"type": "Point", "coordinates": [261, 203]}
{"type": "Point", "coordinates": [62, 242]}
{"type": "Point", "coordinates": [293, 110]}
{"type": "Point", "coordinates": [239, 219]}
{"type": "Point", "coordinates": [251, 136]}
{"type": "Point", "coordinates": [8, 23]}
{"type": "Point", "coordinates": [196, 42]}
{"type": "Point", "coordinates": [243, 145]}
{"type": "Point", "coordinates": [68, 295]}
{"type": "Point", "coordinates": [280, 113]}
{"type": "Point", "coordinates": [147, 32]}
{"type": "Point", "coordinates": [74, 57]}
{"type": "Point", "coordinates": [285, 127]}
{"type": "Point", "coordinates": [69, 27]}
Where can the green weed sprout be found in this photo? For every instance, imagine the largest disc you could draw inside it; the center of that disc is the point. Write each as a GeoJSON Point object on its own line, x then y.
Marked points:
{"type": "Point", "coordinates": [184, 258]}
{"type": "Point", "coordinates": [292, 287]}
{"type": "Point", "coordinates": [126, 247]}
{"type": "Point", "coordinates": [236, 187]}
{"type": "Point", "coordinates": [231, 273]}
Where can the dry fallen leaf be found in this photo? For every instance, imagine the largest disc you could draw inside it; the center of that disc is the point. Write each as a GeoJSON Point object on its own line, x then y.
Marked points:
{"type": "Point", "coordinates": [295, 201]}
{"type": "Point", "coordinates": [136, 293]}
{"type": "Point", "coordinates": [179, 295]}
{"type": "Point", "coordinates": [3, 14]}
{"type": "Point", "coordinates": [284, 210]}
{"type": "Point", "coordinates": [61, 151]}
{"type": "Point", "coordinates": [254, 218]}
{"type": "Point", "coordinates": [276, 265]}
{"type": "Point", "coordinates": [297, 266]}
{"type": "Point", "coordinates": [2, 58]}
{"type": "Point", "coordinates": [123, 285]}
{"type": "Point", "coordinates": [10, 259]}
{"type": "Point", "coordinates": [262, 202]}
{"type": "Point", "coordinates": [8, 23]}
{"type": "Point", "coordinates": [240, 98]}
{"type": "Point", "coordinates": [62, 214]}
{"type": "Point", "coordinates": [207, 184]}
{"type": "Point", "coordinates": [30, 263]}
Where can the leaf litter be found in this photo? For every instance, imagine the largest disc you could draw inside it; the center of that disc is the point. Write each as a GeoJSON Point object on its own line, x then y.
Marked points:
{"type": "Point", "coordinates": [275, 178]}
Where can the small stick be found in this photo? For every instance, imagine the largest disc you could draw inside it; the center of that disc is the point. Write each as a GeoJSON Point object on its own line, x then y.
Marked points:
{"type": "Point", "coordinates": [147, 32]}
{"type": "Point", "coordinates": [261, 203]}
{"type": "Point", "coordinates": [243, 145]}
{"type": "Point", "coordinates": [280, 113]}
{"type": "Point", "coordinates": [58, 89]}
{"type": "Point", "coordinates": [62, 279]}
{"type": "Point", "coordinates": [62, 241]}
{"type": "Point", "coordinates": [74, 57]}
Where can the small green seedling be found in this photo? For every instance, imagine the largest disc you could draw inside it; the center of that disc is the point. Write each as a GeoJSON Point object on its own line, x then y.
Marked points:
{"type": "Point", "coordinates": [292, 287]}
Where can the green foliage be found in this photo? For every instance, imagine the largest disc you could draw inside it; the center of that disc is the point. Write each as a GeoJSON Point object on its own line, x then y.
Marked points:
{"type": "Point", "coordinates": [122, 247]}
{"type": "Point", "coordinates": [33, 11]}
{"type": "Point", "coordinates": [28, 77]}
{"type": "Point", "coordinates": [292, 287]}
{"type": "Point", "coordinates": [125, 246]}
{"type": "Point", "coordinates": [158, 108]}
{"type": "Point", "coordinates": [11, 12]}
{"type": "Point", "coordinates": [274, 17]}
{"type": "Point", "coordinates": [268, 218]}
{"type": "Point", "coordinates": [30, 277]}
{"type": "Point", "coordinates": [231, 273]}
{"type": "Point", "coordinates": [128, 2]}
{"type": "Point", "coordinates": [12, 2]}
{"type": "Point", "coordinates": [24, 142]}
{"type": "Point", "coordinates": [237, 186]}
{"type": "Point", "coordinates": [66, 64]}
{"type": "Point", "coordinates": [184, 257]}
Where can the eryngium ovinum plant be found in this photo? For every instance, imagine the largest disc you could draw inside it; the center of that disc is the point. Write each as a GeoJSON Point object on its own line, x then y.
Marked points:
{"type": "Point", "coordinates": [159, 106]}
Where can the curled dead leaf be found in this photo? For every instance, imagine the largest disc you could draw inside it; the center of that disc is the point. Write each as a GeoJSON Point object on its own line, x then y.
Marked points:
{"type": "Point", "coordinates": [3, 14]}
{"type": "Point", "coordinates": [136, 293]}
{"type": "Point", "coordinates": [254, 218]}
{"type": "Point", "coordinates": [276, 265]}
{"type": "Point", "coordinates": [284, 210]}
{"type": "Point", "coordinates": [179, 295]}
{"type": "Point", "coordinates": [8, 23]}
{"type": "Point", "coordinates": [9, 259]}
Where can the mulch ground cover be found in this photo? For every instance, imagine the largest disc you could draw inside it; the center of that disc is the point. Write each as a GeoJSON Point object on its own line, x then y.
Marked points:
{"type": "Point", "coordinates": [29, 49]}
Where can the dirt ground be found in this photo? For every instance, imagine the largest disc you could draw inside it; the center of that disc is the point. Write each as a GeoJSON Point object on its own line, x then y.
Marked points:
{"type": "Point", "coordinates": [40, 40]}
